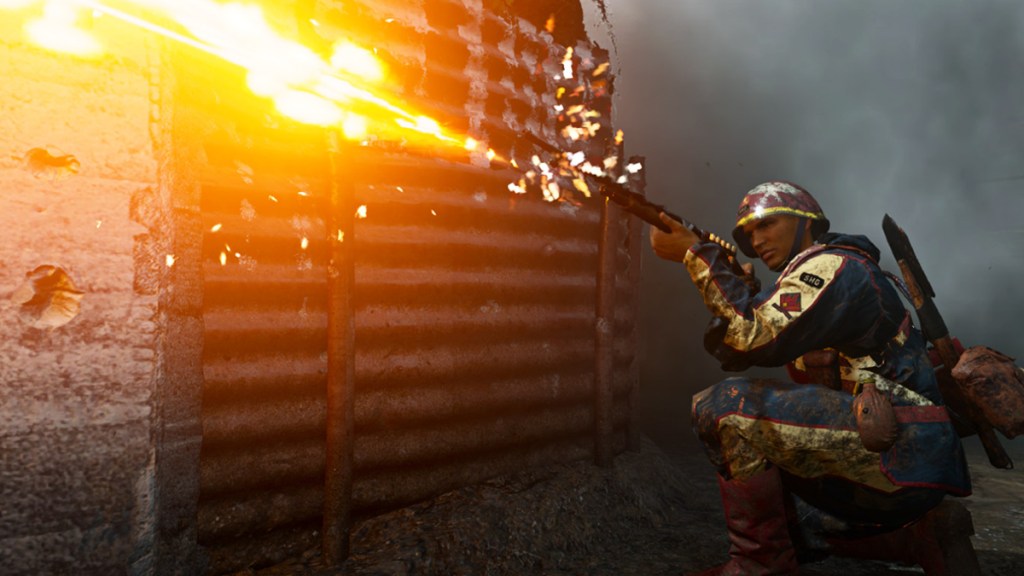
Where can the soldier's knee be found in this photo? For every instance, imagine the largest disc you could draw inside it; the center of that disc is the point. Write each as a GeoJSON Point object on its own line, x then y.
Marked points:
{"type": "Point", "coordinates": [714, 402]}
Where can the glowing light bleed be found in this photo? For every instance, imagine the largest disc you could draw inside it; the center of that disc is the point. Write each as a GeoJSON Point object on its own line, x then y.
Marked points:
{"type": "Point", "coordinates": [357, 61]}
{"type": "Point", "coordinates": [588, 168]}
{"type": "Point", "coordinates": [302, 84]}
{"type": "Point", "coordinates": [567, 64]}
{"type": "Point", "coordinates": [581, 185]}
{"type": "Point", "coordinates": [312, 109]}
{"type": "Point", "coordinates": [427, 126]}
{"type": "Point", "coordinates": [552, 192]}
{"type": "Point", "coordinates": [58, 30]}
{"type": "Point", "coordinates": [354, 127]}
{"type": "Point", "coordinates": [544, 168]}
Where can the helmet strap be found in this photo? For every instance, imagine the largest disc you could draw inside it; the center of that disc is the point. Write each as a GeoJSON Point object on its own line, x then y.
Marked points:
{"type": "Point", "coordinates": [798, 240]}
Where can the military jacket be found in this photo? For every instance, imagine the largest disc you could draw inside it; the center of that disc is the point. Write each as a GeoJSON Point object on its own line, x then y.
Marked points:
{"type": "Point", "coordinates": [834, 296]}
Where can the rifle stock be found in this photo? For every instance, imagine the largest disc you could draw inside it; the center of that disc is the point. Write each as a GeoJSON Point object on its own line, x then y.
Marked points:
{"type": "Point", "coordinates": [935, 331]}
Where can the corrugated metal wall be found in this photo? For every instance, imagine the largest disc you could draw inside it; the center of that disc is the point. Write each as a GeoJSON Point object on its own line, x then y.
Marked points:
{"type": "Point", "coordinates": [473, 309]}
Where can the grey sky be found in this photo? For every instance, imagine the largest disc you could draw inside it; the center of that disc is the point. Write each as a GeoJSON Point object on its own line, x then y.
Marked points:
{"type": "Point", "coordinates": [909, 107]}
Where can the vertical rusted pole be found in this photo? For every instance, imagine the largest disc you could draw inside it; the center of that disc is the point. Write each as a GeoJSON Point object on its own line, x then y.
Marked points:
{"type": "Point", "coordinates": [604, 374]}
{"type": "Point", "coordinates": [340, 359]}
{"type": "Point", "coordinates": [635, 235]}
{"type": "Point", "coordinates": [634, 243]}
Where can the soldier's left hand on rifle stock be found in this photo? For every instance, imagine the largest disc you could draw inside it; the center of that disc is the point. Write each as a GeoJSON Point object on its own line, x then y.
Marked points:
{"type": "Point", "coordinates": [674, 245]}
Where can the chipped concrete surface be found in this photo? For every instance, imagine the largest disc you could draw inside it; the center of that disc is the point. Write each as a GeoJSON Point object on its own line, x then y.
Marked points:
{"type": "Point", "coordinates": [75, 399]}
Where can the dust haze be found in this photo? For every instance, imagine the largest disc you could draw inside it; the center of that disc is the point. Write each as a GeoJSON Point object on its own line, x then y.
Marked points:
{"type": "Point", "coordinates": [913, 108]}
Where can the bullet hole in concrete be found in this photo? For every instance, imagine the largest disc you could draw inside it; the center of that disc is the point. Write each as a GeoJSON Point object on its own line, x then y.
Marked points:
{"type": "Point", "coordinates": [50, 162]}
{"type": "Point", "coordinates": [48, 297]}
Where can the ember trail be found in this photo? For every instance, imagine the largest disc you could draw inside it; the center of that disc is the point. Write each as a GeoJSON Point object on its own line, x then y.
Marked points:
{"type": "Point", "coordinates": [303, 85]}
{"type": "Point", "coordinates": [338, 91]}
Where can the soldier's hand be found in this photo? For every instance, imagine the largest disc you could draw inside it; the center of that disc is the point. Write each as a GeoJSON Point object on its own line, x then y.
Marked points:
{"type": "Point", "coordinates": [672, 245]}
{"type": "Point", "coordinates": [749, 278]}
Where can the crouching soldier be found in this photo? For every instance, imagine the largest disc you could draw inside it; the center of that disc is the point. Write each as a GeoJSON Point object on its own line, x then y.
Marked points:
{"type": "Point", "coordinates": [856, 454]}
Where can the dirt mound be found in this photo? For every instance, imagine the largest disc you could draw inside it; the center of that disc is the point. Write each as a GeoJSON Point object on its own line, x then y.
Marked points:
{"type": "Point", "coordinates": [651, 514]}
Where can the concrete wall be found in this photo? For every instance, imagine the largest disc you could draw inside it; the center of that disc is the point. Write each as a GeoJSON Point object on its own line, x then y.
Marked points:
{"type": "Point", "coordinates": [76, 400]}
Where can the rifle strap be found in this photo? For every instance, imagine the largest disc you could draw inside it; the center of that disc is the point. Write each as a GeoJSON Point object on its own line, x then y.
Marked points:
{"type": "Point", "coordinates": [899, 283]}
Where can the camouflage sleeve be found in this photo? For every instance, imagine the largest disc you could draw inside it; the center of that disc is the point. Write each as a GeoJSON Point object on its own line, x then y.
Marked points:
{"type": "Point", "coordinates": [817, 304]}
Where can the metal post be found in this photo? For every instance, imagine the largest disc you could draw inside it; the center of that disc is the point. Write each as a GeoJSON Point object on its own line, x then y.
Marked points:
{"type": "Point", "coordinates": [634, 243]}
{"type": "Point", "coordinates": [340, 360]}
{"type": "Point", "coordinates": [604, 399]}
{"type": "Point", "coordinates": [633, 433]}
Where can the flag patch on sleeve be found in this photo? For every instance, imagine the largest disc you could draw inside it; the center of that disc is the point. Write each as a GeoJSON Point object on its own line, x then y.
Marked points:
{"type": "Point", "coordinates": [789, 302]}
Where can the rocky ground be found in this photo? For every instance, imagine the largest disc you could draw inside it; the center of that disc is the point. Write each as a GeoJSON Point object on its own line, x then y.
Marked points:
{"type": "Point", "coordinates": [652, 514]}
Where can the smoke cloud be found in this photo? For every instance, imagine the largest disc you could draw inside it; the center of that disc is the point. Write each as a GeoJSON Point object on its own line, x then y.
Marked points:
{"type": "Point", "coordinates": [912, 108]}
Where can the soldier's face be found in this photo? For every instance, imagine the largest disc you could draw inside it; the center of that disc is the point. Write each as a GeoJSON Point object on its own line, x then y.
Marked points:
{"type": "Point", "coordinates": [772, 238]}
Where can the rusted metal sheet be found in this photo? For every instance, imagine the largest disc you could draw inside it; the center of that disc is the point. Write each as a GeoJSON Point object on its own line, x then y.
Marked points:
{"type": "Point", "coordinates": [473, 346]}
{"type": "Point", "coordinates": [265, 205]}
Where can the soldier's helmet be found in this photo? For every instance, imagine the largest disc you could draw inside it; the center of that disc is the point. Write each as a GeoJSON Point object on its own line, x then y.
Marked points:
{"type": "Point", "coordinates": [777, 197]}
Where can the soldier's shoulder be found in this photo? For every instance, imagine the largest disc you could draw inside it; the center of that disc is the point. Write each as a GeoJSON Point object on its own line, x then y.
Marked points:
{"type": "Point", "coordinates": [854, 243]}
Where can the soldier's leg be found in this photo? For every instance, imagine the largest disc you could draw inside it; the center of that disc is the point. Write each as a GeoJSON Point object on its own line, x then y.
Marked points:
{"type": "Point", "coordinates": [810, 433]}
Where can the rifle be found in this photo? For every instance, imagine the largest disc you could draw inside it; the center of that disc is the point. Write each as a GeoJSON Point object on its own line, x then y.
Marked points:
{"type": "Point", "coordinates": [639, 206]}
{"type": "Point", "coordinates": [935, 331]}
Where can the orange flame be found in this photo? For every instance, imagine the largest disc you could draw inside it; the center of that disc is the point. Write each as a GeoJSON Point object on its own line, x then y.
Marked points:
{"type": "Point", "coordinates": [57, 30]}
{"type": "Point", "coordinates": [302, 84]}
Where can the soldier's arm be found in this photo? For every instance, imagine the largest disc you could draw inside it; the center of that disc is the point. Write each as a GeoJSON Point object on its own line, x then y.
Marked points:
{"type": "Point", "coordinates": [827, 300]}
